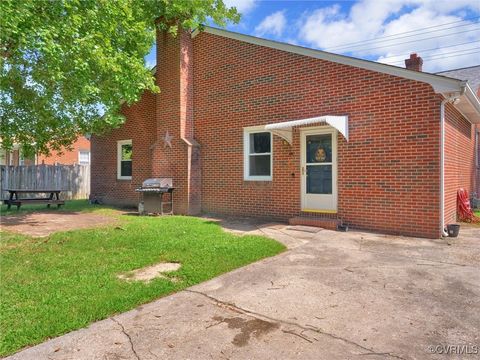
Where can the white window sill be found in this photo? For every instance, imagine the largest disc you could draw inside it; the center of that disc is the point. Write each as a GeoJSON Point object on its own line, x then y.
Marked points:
{"type": "Point", "coordinates": [258, 178]}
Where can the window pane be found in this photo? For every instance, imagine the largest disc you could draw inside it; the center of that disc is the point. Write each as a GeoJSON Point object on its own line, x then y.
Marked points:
{"type": "Point", "coordinates": [260, 143]}
{"type": "Point", "coordinates": [319, 179]}
{"type": "Point", "coordinates": [126, 168]}
{"type": "Point", "coordinates": [260, 165]}
{"type": "Point", "coordinates": [84, 157]}
{"type": "Point", "coordinates": [127, 152]}
{"type": "Point", "coordinates": [319, 148]}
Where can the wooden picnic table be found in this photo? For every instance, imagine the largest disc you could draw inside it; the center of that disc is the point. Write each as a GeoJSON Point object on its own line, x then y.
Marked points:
{"type": "Point", "coordinates": [52, 196]}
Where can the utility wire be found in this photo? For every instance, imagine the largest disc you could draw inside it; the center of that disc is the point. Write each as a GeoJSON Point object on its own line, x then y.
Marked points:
{"type": "Point", "coordinates": [447, 53]}
{"type": "Point", "coordinates": [438, 57]}
{"type": "Point", "coordinates": [431, 49]}
{"type": "Point", "coordinates": [405, 32]}
{"type": "Point", "coordinates": [406, 42]}
{"type": "Point", "coordinates": [337, 48]}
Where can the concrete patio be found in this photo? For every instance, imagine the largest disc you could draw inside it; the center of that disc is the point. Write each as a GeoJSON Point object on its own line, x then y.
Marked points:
{"type": "Point", "coordinates": [331, 295]}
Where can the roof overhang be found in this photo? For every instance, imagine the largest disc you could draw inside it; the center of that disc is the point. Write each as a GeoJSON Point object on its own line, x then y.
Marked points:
{"type": "Point", "coordinates": [468, 105]}
{"type": "Point", "coordinates": [285, 129]}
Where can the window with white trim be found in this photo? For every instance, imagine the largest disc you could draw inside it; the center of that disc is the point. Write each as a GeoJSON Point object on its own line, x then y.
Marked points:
{"type": "Point", "coordinates": [84, 157]}
{"type": "Point", "coordinates": [124, 159]}
{"type": "Point", "coordinates": [257, 145]}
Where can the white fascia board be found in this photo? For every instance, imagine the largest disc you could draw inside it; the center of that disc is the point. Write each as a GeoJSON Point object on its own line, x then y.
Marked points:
{"type": "Point", "coordinates": [472, 98]}
{"type": "Point", "coordinates": [440, 84]}
{"type": "Point", "coordinates": [469, 105]}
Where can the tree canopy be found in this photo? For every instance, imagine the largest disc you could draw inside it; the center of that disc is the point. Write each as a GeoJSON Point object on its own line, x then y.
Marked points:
{"type": "Point", "coordinates": [67, 65]}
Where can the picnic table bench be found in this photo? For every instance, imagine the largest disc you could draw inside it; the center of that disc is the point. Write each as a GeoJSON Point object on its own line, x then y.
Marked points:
{"type": "Point", "coordinates": [52, 197]}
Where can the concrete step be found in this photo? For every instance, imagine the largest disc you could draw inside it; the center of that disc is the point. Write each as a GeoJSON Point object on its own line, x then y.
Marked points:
{"type": "Point", "coordinates": [316, 221]}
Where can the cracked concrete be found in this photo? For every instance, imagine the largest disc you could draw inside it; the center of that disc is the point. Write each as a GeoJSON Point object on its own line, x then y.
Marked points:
{"type": "Point", "coordinates": [128, 337]}
{"type": "Point", "coordinates": [332, 295]}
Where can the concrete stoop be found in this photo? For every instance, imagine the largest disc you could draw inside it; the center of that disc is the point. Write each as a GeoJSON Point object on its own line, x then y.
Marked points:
{"type": "Point", "coordinates": [325, 222]}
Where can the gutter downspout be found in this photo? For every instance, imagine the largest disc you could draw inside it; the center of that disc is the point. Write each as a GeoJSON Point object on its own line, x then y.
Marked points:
{"type": "Point", "coordinates": [451, 99]}
{"type": "Point", "coordinates": [442, 167]}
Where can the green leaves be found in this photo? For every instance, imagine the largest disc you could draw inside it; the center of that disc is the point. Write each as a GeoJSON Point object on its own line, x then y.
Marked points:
{"type": "Point", "coordinates": [66, 65]}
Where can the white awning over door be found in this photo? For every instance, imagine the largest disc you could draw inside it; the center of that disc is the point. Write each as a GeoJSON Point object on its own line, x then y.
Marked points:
{"type": "Point", "coordinates": [285, 129]}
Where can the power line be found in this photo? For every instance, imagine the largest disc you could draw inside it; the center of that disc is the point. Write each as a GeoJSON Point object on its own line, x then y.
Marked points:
{"type": "Point", "coordinates": [405, 32]}
{"type": "Point", "coordinates": [400, 37]}
{"type": "Point", "coordinates": [447, 53]}
{"type": "Point", "coordinates": [438, 57]}
{"type": "Point", "coordinates": [431, 49]}
{"type": "Point", "coordinates": [406, 42]}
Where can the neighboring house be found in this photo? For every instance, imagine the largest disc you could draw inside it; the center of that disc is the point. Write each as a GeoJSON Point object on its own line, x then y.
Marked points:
{"type": "Point", "coordinates": [79, 154]}
{"type": "Point", "coordinates": [252, 127]}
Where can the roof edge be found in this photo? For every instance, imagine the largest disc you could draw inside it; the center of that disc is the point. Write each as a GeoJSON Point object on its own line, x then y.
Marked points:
{"type": "Point", "coordinates": [439, 83]}
{"type": "Point", "coordinates": [474, 102]}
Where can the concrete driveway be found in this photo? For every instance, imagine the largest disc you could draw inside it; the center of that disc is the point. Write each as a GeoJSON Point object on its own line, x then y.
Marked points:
{"type": "Point", "coordinates": [332, 295]}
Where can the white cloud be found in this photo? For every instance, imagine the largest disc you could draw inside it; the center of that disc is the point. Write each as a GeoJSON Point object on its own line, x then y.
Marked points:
{"type": "Point", "coordinates": [273, 24]}
{"type": "Point", "coordinates": [243, 6]}
{"type": "Point", "coordinates": [368, 20]}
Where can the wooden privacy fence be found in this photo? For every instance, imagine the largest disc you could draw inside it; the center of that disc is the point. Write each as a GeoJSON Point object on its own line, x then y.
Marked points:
{"type": "Point", "coordinates": [73, 180]}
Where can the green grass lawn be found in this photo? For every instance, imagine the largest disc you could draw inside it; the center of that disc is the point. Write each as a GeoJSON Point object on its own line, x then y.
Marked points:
{"type": "Point", "coordinates": [53, 285]}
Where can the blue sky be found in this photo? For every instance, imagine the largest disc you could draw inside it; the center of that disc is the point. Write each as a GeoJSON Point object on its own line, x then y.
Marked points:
{"type": "Point", "coordinates": [446, 33]}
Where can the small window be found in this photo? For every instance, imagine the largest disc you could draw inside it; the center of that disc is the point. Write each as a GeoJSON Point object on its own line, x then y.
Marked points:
{"type": "Point", "coordinates": [21, 158]}
{"type": "Point", "coordinates": [3, 157]}
{"type": "Point", "coordinates": [258, 154]}
{"type": "Point", "coordinates": [124, 159]}
{"type": "Point", "coordinates": [84, 157]}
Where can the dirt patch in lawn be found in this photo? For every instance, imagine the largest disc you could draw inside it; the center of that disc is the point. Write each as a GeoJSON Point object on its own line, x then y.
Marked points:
{"type": "Point", "coordinates": [149, 273]}
{"type": "Point", "coordinates": [41, 224]}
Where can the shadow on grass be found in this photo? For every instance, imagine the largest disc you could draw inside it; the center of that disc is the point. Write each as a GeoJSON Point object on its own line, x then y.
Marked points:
{"type": "Point", "coordinates": [70, 206]}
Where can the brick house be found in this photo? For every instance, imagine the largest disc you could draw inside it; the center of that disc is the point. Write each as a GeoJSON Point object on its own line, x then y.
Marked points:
{"type": "Point", "coordinates": [78, 154]}
{"type": "Point", "coordinates": [253, 127]}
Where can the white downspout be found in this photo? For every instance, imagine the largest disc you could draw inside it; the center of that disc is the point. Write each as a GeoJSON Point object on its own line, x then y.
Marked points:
{"type": "Point", "coordinates": [442, 167]}
{"type": "Point", "coordinates": [453, 99]}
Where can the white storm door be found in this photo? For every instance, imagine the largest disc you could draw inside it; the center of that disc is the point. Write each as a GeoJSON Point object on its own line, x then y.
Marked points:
{"type": "Point", "coordinates": [319, 170]}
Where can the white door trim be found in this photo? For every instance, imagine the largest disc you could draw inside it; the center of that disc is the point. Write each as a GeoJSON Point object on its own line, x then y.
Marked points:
{"type": "Point", "coordinates": [332, 208]}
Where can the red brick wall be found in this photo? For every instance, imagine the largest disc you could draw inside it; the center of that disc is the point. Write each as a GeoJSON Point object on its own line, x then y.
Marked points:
{"type": "Point", "coordinates": [67, 157]}
{"type": "Point", "coordinates": [140, 127]}
{"type": "Point", "coordinates": [388, 172]}
{"type": "Point", "coordinates": [172, 111]}
{"type": "Point", "coordinates": [477, 178]}
{"type": "Point", "coordinates": [460, 169]}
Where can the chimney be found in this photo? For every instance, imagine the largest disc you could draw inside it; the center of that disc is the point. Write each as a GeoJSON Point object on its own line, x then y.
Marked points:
{"type": "Point", "coordinates": [415, 62]}
{"type": "Point", "coordinates": [176, 153]}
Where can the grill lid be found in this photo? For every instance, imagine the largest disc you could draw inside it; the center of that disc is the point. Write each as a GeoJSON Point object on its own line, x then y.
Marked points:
{"type": "Point", "coordinates": [158, 183]}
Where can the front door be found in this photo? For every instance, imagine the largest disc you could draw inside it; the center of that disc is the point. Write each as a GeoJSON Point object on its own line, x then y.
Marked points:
{"type": "Point", "coordinates": [319, 169]}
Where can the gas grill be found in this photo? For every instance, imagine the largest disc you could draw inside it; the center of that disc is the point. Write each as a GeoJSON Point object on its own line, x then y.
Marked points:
{"type": "Point", "coordinates": [153, 192]}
